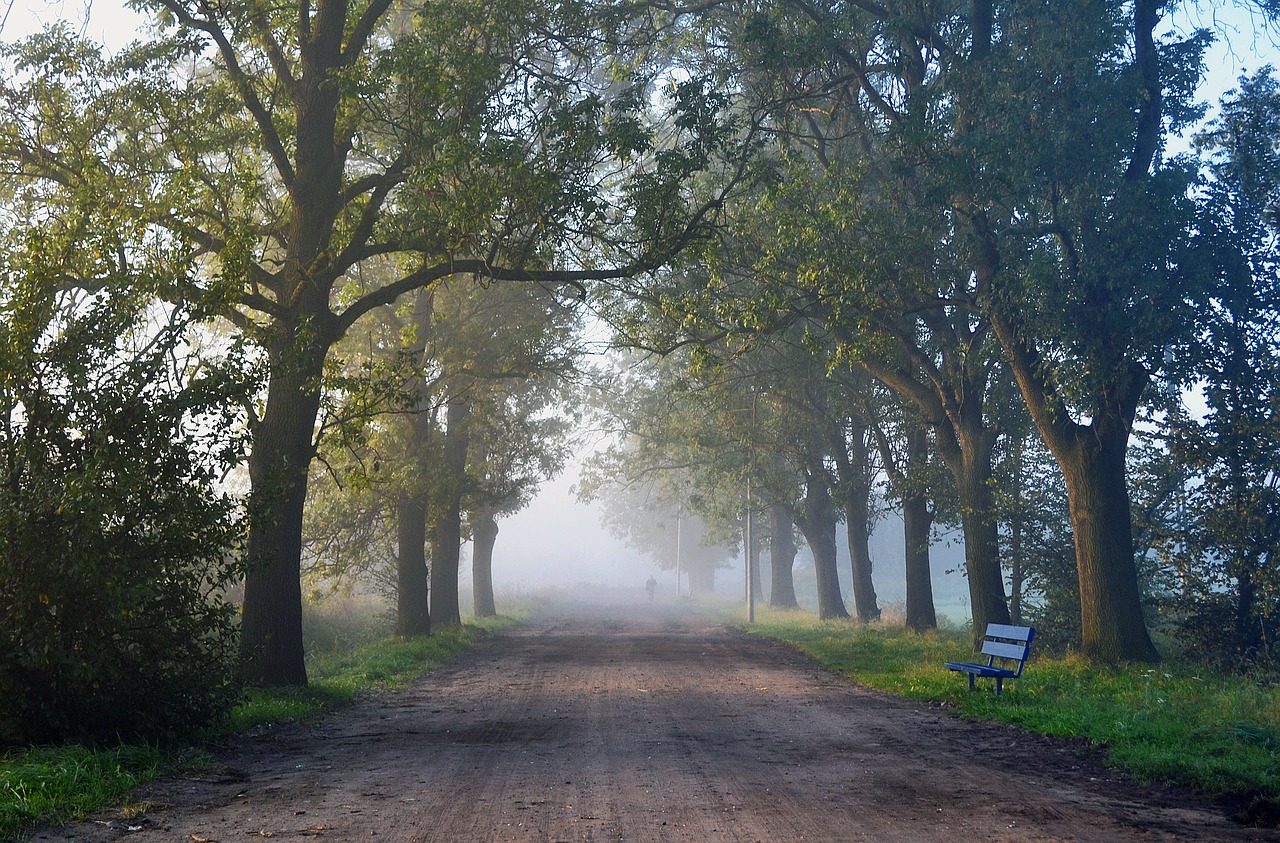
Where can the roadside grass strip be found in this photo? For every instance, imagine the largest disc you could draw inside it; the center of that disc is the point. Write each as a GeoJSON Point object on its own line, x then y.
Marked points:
{"type": "Point", "coordinates": [65, 783]}
{"type": "Point", "coordinates": [1171, 723]}
{"type": "Point", "coordinates": [61, 783]}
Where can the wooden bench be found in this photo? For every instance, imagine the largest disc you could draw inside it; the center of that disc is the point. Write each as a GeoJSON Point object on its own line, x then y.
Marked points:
{"type": "Point", "coordinates": [1006, 648]}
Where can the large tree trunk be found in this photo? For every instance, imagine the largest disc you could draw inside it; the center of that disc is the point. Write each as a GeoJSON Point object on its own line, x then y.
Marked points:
{"type": "Point", "coordinates": [446, 540]}
{"type": "Point", "coordinates": [782, 559]}
{"type": "Point", "coordinates": [283, 445]}
{"type": "Point", "coordinates": [1111, 622]}
{"type": "Point", "coordinates": [412, 617]}
{"type": "Point", "coordinates": [484, 533]}
{"type": "Point", "coordinates": [981, 542]}
{"type": "Point", "coordinates": [966, 446]}
{"type": "Point", "coordinates": [857, 514]}
{"type": "Point", "coordinates": [855, 480]}
{"type": "Point", "coordinates": [819, 527]}
{"type": "Point", "coordinates": [917, 523]}
{"type": "Point", "coordinates": [412, 511]}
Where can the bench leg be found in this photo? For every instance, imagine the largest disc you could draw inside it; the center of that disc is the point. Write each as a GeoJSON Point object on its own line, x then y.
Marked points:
{"type": "Point", "coordinates": [970, 681]}
{"type": "Point", "coordinates": [999, 684]}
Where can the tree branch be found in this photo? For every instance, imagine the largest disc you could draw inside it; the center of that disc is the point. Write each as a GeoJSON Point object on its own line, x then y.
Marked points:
{"type": "Point", "coordinates": [261, 116]}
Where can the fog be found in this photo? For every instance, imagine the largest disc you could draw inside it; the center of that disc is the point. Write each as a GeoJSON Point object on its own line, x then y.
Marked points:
{"type": "Point", "coordinates": [559, 543]}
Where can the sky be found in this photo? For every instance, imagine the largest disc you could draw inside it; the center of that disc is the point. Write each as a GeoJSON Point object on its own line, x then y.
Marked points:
{"type": "Point", "coordinates": [558, 541]}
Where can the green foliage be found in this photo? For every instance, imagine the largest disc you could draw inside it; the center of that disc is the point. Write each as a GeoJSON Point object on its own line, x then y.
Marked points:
{"type": "Point", "coordinates": [1217, 733]}
{"type": "Point", "coordinates": [117, 545]}
{"type": "Point", "coordinates": [509, 348]}
{"type": "Point", "coordinates": [1036, 541]}
{"type": "Point", "coordinates": [1221, 556]}
{"type": "Point", "coordinates": [684, 461]}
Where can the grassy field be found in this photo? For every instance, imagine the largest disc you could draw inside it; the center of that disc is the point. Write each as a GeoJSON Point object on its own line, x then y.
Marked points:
{"type": "Point", "coordinates": [1218, 734]}
{"type": "Point", "coordinates": [344, 657]}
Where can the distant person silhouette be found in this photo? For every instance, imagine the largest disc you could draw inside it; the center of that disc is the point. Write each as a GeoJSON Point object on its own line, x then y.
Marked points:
{"type": "Point", "coordinates": [651, 586]}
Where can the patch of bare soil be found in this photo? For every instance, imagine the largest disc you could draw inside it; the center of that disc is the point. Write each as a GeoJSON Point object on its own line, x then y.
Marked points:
{"type": "Point", "coordinates": [650, 724]}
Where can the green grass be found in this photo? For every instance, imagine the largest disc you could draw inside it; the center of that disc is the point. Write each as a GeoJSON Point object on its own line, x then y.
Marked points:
{"type": "Point", "coordinates": [1217, 733]}
{"type": "Point", "coordinates": [338, 676]}
{"type": "Point", "coordinates": [61, 784]}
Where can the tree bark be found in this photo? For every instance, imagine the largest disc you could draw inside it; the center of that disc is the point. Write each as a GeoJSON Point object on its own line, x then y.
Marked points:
{"type": "Point", "coordinates": [917, 523]}
{"type": "Point", "coordinates": [966, 446]}
{"type": "Point", "coordinates": [782, 558]}
{"type": "Point", "coordinates": [412, 617]}
{"type": "Point", "coordinates": [853, 464]}
{"type": "Point", "coordinates": [446, 544]}
{"type": "Point", "coordinates": [283, 445]}
{"type": "Point", "coordinates": [818, 524]}
{"type": "Point", "coordinates": [484, 533]}
{"type": "Point", "coordinates": [856, 511]}
{"type": "Point", "coordinates": [1112, 626]}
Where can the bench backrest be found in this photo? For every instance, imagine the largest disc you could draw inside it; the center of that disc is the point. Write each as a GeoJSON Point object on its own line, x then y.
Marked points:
{"type": "Point", "coordinates": [1011, 643]}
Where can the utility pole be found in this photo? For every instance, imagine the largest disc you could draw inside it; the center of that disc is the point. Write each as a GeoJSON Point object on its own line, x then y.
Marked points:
{"type": "Point", "coordinates": [751, 586]}
{"type": "Point", "coordinates": [751, 470]}
{"type": "Point", "coordinates": [679, 522]}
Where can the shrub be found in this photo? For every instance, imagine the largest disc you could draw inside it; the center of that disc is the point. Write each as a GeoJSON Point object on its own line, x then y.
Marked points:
{"type": "Point", "coordinates": [116, 545]}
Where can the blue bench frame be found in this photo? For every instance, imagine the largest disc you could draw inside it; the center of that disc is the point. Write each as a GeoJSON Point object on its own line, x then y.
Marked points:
{"type": "Point", "coordinates": [1009, 644]}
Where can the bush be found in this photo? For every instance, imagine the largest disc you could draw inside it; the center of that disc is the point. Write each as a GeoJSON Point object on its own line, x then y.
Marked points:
{"type": "Point", "coordinates": [116, 544]}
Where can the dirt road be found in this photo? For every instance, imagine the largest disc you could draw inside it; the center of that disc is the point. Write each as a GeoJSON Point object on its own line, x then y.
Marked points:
{"type": "Point", "coordinates": [653, 725]}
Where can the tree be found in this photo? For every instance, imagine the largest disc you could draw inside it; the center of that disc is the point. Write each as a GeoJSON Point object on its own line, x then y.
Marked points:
{"type": "Point", "coordinates": [118, 545]}
{"type": "Point", "coordinates": [1023, 142]}
{"type": "Point", "coordinates": [522, 440]}
{"type": "Point", "coordinates": [848, 243]}
{"type": "Point", "coordinates": [483, 361]}
{"type": "Point", "coordinates": [308, 143]}
{"type": "Point", "coordinates": [913, 477]}
{"type": "Point", "coordinates": [782, 557]}
{"type": "Point", "coordinates": [1035, 538]}
{"type": "Point", "coordinates": [1224, 557]}
{"type": "Point", "coordinates": [1084, 281]}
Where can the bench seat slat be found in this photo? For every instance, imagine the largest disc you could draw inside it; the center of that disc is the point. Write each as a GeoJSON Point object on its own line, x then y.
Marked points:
{"type": "Point", "coordinates": [982, 669]}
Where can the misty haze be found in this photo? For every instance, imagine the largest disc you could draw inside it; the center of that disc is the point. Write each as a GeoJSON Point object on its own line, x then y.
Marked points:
{"type": "Point", "coordinates": [477, 420]}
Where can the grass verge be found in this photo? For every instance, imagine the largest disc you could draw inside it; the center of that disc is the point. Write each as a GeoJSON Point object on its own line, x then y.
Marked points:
{"type": "Point", "coordinates": [60, 784]}
{"type": "Point", "coordinates": [1219, 734]}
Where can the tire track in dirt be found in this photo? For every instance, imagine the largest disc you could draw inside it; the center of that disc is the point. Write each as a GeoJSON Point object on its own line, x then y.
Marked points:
{"type": "Point", "coordinates": [648, 724]}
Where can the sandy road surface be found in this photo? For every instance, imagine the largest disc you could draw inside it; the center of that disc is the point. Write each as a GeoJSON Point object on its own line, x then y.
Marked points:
{"type": "Point", "coordinates": [650, 724]}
